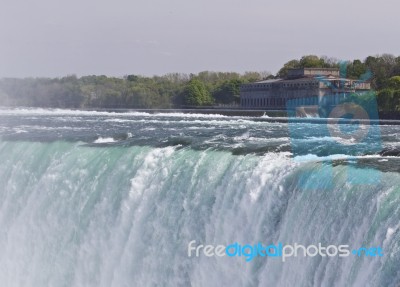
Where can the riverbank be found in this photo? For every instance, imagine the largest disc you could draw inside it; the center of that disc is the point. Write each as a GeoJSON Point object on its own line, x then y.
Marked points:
{"type": "Point", "coordinates": [257, 115]}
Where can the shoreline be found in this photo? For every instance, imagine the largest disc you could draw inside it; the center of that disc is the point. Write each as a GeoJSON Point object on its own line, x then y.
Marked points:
{"type": "Point", "coordinates": [279, 116]}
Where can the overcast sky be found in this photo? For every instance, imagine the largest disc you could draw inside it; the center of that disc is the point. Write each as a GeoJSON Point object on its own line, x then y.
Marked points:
{"type": "Point", "coordinates": [118, 37]}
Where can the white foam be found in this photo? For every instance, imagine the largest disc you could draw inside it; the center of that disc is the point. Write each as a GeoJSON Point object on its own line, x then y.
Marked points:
{"type": "Point", "coordinates": [41, 111]}
{"type": "Point", "coordinates": [313, 157]}
{"type": "Point", "coordinates": [105, 140]}
{"type": "Point", "coordinates": [62, 112]}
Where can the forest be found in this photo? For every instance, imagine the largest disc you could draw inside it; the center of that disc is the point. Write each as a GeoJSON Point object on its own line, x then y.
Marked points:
{"type": "Point", "coordinates": [178, 90]}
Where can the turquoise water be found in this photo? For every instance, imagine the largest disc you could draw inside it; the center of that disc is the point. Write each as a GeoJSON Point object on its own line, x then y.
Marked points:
{"type": "Point", "coordinates": [113, 200]}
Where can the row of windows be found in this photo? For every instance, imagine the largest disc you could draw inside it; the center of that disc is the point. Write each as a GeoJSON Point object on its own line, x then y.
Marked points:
{"type": "Point", "coordinates": [306, 84]}
{"type": "Point", "coordinates": [262, 102]}
{"type": "Point", "coordinates": [271, 102]}
{"type": "Point", "coordinates": [256, 86]}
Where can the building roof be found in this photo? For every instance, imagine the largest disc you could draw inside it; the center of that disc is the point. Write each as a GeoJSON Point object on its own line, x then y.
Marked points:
{"type": "Point", "coordinates": [312, 72]}
{"type": "Point", "coordinates": [330, 69]}
{"type": "Point", "coordinates": [267, 81]}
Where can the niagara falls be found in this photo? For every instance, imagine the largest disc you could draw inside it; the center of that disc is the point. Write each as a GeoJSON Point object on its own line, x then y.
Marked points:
{"type": "Point", "coordinates": [96, 198]}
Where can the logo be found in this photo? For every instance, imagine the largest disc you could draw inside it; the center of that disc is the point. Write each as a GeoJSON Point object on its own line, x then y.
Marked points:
{"type": "Point", "coordinates": [280, 250]}
{"type": "Point", "coordinates": [345, 127]}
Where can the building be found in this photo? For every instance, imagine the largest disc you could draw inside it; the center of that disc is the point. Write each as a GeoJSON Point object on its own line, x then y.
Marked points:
{"type": "Point", "coordinates": [301, 87]}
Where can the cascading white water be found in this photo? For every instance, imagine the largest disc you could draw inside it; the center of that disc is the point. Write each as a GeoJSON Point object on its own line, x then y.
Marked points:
{"type": "Point", "coordinates": [75, 215]}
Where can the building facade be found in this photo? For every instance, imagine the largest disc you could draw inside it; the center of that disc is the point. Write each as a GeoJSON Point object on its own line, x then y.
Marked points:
{"type": "Point", "coordinates": [301, 87]}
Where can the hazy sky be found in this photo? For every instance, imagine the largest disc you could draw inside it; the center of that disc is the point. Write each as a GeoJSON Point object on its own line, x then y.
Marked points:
{"type": "Point", "coordinates": [119, 37]}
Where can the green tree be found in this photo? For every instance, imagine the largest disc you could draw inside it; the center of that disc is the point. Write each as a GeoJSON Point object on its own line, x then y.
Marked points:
{"type": "Point", "coordinates": [356, 69]}
{"type": "Point", "coordinates": [292, 64]}
{"type": "Point", "coordinates": [386, 100]}
{"type": "Point", "coordinates": [394, 83]}
{"type": "Point", "coordinates": [382, 67]}
{"type": "Point", "coordinates": [312, 61]}
{"type": "Point", "coordinates": [197, 94]}
{"type": "Point", "coordinates": [132, 78]}
{"type": "Point", "coordinates": [396, 100]}
{"type": "Point", "coordinates": [228, 92]}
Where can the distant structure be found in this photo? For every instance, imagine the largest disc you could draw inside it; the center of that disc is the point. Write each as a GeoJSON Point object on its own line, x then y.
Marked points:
{"type": "Point", "coordinates": [301, 87]}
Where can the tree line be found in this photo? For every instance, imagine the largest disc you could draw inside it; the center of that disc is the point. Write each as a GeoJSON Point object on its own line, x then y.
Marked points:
{"type": "Point", "coordinates": [132, 91]}
{"type": "Point", "coordinates": [178, 90]}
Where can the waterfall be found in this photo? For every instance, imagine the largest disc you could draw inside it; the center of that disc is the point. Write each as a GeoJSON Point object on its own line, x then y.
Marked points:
{"type": "Point", "coordinates": [78, 215]}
